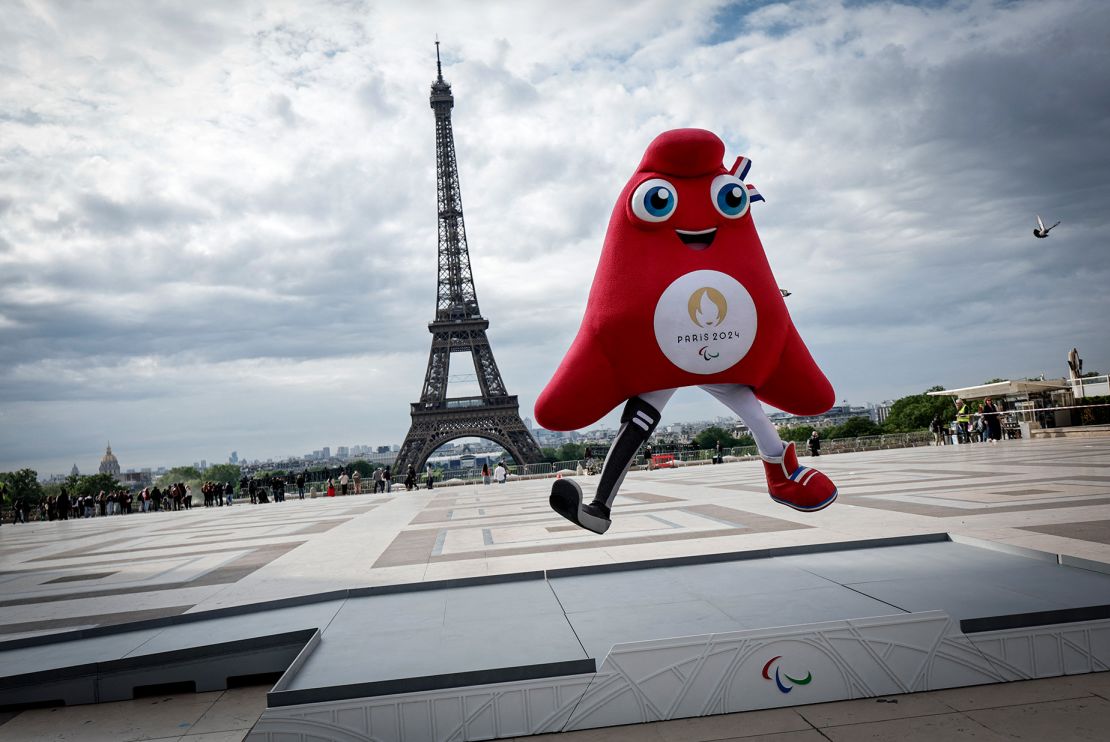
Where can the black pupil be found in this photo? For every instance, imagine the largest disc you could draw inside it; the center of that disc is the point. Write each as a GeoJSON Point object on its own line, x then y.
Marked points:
{"type": "Point", "coordinates": [733, 197]}
{"type": "Point", "coordinates": [658, 199]}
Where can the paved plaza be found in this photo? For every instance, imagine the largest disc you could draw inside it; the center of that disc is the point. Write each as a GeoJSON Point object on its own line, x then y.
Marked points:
{"type": "Point", "coordinates": [1051, 496]}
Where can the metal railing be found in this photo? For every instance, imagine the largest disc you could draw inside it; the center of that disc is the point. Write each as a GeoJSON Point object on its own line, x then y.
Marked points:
{"type": "Point", "coordinates": [687, 457]}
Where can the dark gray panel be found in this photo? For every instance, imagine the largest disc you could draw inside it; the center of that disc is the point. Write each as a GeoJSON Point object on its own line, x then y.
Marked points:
{"type": "Point", "coordinates": [796, 607]}
{"type": "Point", "coordinates": [905, 562]}
{"type": "Point", "coordinates": [960, 597]}
{"type": "Point", "coordinates": [600, 629]}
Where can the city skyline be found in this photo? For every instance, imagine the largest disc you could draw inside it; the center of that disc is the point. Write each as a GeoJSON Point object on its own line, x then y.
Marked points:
{"type": "Point", "coordinates": [218, 225]}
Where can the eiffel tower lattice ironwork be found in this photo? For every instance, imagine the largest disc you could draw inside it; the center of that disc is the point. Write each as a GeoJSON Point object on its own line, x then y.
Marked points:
{"type": "Point", "coordinates": [457, 329]}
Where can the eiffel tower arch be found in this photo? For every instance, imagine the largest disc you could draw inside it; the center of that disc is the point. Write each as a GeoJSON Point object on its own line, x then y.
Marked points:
{"type": "Point", "coordinates": [459, 329]}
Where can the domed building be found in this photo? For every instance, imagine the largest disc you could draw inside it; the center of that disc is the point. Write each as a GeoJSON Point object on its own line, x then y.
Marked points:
{"type": "Point", "coordinates": [109, 464]}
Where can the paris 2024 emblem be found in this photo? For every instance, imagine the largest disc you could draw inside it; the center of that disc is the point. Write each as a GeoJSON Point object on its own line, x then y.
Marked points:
{"type": "Point", "coordinates": [705, 322]}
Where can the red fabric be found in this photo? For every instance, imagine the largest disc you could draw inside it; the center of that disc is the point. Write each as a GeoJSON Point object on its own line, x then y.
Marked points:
{"type": "Point", "coordinates": [616, 355]}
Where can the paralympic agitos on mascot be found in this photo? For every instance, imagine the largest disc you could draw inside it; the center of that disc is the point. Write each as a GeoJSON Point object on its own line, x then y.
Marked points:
{"type": "Point", "coordinates": [684, 296]}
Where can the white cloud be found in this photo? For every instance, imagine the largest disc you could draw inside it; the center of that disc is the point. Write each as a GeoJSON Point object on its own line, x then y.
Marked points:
{"type": "Point", "coordinates": [242, 197]}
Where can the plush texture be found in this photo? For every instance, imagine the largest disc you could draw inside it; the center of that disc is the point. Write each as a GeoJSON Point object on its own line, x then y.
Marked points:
{"type": "Point", "coordinates": [651, 323]}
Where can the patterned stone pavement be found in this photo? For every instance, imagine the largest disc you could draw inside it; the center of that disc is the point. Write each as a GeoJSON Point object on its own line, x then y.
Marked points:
{"type": "Point", "coordinates": [1051, 495]}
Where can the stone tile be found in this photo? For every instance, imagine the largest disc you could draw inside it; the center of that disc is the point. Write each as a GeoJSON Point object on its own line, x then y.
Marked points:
{"type": "Point", "coordinates": [233, 736]}
{"type": "Point", "coordinates": [237, 709]}
{"type": "Point", "coordinates": [866, 710]}
{"type": "Point", "coordinates": [1098, 530]}
{"type": "Point", "coordinates": [947, 727]}
{"type": "Point", "coordinates": [1083, 718]}
{"type": "Point", "coordinates": [129, 721]}
{"type": "Point", "coordinates": [1012, 694]}
{"type": "Point", "coordinates": [732, 726]}
{"type": "Point", "coordinates": [810, 735]}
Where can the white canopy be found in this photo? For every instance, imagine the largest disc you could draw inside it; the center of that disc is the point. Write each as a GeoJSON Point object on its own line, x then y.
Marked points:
{"type": "Point", "coordinates": [1003, 389]}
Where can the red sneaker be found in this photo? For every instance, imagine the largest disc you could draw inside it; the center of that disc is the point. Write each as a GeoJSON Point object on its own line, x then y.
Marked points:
{"type": "Point", "coordinates": [797, 486]}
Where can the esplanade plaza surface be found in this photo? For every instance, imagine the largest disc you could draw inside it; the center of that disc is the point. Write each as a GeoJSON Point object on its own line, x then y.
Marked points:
{"type": "Point", "coordinates": [474, 612]}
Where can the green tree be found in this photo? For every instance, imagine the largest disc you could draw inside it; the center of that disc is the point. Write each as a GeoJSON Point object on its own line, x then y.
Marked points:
{"type": "Point", "coordinates": [917, 411]}
{"type": "Point", "coordinates": [178, 474]}
{"type": "Point", "coordinates": [854, 427]}
{"type": "Point", "coordinates": [93, 484]}
{"type": "Point", "coordinates": [23, 483]}
{"type": "Point", "coordinates": [364, 468]}
{"type": "Point", "coordinates": [226, 473]}
{"type": "Point", "coordinates": [570, 452]}
{"type": "Point", "coordinates": [708, 438]}
{"type": "Point", "coordinates": [796, 433]}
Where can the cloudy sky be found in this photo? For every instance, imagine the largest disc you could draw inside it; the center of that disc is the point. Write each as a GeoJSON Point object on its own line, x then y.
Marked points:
{"type": "Point", "coordinates": [218, 226]}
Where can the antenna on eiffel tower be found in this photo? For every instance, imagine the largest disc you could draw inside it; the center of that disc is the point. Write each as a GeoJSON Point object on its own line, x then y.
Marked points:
{"type": "Point", "coordinates": [458, 329]}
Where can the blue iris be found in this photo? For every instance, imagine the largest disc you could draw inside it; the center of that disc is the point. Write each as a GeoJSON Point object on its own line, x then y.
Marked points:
{"type": "Point", "coordinates": [659, 201]}
{"type": "Point", "coordinates": [732, 199]}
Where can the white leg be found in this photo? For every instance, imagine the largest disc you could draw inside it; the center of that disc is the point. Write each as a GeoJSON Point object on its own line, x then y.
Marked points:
{"type": "Point", "coordinates": [741, 400]}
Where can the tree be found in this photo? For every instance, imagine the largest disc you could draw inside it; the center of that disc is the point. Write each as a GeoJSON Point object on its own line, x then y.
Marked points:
{"type": "Point", "coordinates": [709, 437]}
{"type": "Point", "coordinates": [94, 484]}
{"type": "Point", "coordinates": [570, 452]}
{"type": "Point", "coordinates": [796, 433]}
{"type": "Point", "coordinates": [364, 468]}
{"type": "Point", "coordinates": [226, 473]}
{"type": "Point", "coordinates": [179, 474]}
{"type": "Point", "coordinates": [23, 483]}
{"type": "Point", "coordinates": [916, 412]}
{"type": "Point", "coordinates": [855, 427]}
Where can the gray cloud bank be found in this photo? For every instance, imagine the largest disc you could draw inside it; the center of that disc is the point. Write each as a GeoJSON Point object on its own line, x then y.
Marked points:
{"type": "Point", "coordinates": [217, 223]}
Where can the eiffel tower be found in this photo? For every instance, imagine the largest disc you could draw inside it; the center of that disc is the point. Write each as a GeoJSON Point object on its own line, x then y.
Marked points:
{"type": "Point", "coordinates": [457, 329]}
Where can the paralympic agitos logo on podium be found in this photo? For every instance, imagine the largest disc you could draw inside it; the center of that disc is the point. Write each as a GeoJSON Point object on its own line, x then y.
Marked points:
{"type": "Point", "coordinates": [779, 676]}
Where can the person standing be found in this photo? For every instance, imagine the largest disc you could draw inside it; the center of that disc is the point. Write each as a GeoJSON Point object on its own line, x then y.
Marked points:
{"type": "Point", "coordinates": [378, 480]}
{"type": "Point", "coordinates": [331, 488]}
{"type": "Point", "coordinates": [485, 473]}
{"type": "Point", "coordinates": [993, 421]}
{"type": "Point", "coordinates": [499, 473]}
{"type": "Point", "coordinates": [356, 478]}
{"type": "Point", "coordinates": [300, 485]}
{"type": "Point", "coordinates": [815, 443]}
{"type": "Point", "coordinates": [343, 480]}
{"type": "Point", "coordinates": [963, 421]}
{"type": "Point", "coordinates": [647, 458]}
{"type": "Point", "coordinates": [410, 479]}
{"type": "Point", "coordinates": [387, 480]}
{"type": "Point", "coordinates": [719, 453]}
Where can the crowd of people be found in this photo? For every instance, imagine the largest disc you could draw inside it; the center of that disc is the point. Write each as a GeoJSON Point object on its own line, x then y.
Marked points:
{"type": "Point", "coordinates": [980, 425]}
{"type": "Point", "coordinates": [257, 490]}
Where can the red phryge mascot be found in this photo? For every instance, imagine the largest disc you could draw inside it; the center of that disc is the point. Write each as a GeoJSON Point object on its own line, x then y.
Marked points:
{"type": "Point", "coordinates": [683, 296]}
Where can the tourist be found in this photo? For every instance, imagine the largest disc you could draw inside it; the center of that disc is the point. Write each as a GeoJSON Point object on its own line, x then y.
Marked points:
{"type": "Point", "coordinates": [331, 488]}
{"type": "Point", "coordinates": [815, 443]}
{"type": "Point", "coordinates": [410, 478]}
{"type": "Point", "coordinates": [300, 484]}
{"type": "Point", "coordinates": [993, 420]}
{"type": "Point", "coordinates": [387, 480]}
{"type": "Point", "coordinates": [485, 473]}
{"type": "Point", "coordinates": [499, 473]}
{"type": "Point", "coordinates": [343, 480]}
{"type": "Point", "coordinates": [378, 484]}
{"type": "Point", "coordinates": [356, 478]}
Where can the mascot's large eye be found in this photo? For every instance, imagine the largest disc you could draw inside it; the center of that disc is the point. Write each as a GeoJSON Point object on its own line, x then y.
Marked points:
{"type": "Point", "coordinates": [654, 200]}
{"type": "Point", "coordinates": [730, 196]}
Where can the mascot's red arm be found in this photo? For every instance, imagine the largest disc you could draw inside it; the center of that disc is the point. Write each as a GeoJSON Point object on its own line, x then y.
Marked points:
{"type": "Point", "coordinates": [797, 385]}
{"type": "Point", "coordinates": [587, 383]}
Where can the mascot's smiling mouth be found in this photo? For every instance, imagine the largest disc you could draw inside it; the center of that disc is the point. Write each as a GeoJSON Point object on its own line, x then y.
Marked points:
{"type": "Point", "coordinates": [697, 240]}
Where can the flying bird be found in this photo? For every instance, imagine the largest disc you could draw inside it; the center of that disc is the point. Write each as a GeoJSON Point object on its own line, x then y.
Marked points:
{"type": "Point", "coordinates": [1040, 231]}
{"type": "Point", "coordinates": [784, 293]}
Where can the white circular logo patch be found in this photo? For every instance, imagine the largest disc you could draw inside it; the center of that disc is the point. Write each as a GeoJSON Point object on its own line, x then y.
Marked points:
{"type": "Point", "coordinates": [705, 322]}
